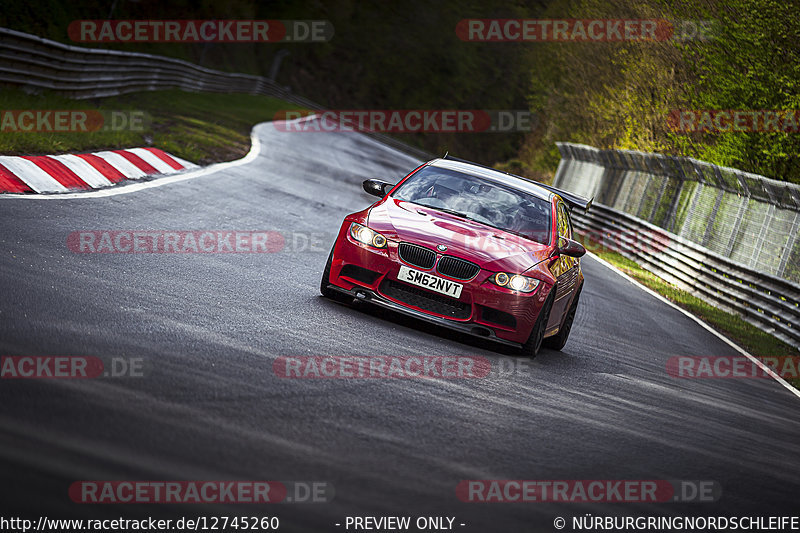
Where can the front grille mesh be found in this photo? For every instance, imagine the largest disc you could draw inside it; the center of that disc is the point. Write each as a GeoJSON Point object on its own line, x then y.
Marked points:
{"type": "Point", "coordinates": [428, 301]}
{"type": "Point", "coordinates": [417, 255]}
{"type": "Point", "coordinates": [457, 268]}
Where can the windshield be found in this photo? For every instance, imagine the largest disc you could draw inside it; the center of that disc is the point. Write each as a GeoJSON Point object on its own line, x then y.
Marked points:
{"type": "Point", "coordinates": [480, 200]}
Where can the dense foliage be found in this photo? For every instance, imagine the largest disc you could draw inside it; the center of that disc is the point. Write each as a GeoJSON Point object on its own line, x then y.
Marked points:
{"type": "Point", "coordinates": [393, 55]}
{"type": "Point", "coordinates": [621, 95]}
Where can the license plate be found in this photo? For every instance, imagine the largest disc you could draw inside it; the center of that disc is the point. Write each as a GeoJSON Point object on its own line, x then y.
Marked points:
{"type": "Point", "coordinates": [430, 282]}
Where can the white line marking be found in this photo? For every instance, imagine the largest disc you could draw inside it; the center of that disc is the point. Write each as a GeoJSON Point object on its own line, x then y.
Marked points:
{"type": "Point", "coordinates": [84, 170]}
{"type": "Point", "coordinates": [725, 339]}
{"type": "Point", "coordinates": [29, 172]}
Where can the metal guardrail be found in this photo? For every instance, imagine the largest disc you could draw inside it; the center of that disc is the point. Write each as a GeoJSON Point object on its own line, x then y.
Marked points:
{"type": "Point", "coordinates": [35, 63]}
{"type": "Point", "coordinates": [750, 219]}
{"type": "Point", "coordinates": [82, 73]}
{"type": "Point", "coordinates": [769, 302]}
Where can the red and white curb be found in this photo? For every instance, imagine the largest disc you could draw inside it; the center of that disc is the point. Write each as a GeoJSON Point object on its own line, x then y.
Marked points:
{"type": "Point", "coordinates": [75, 172]}
{"type": "Point", "coordinates": [141, 185]}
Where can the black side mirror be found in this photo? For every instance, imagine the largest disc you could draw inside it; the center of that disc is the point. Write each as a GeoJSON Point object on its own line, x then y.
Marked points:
{"type": "Point", "coordinates": [570, 248]}
{"type": "Point", "coordinates": [377, 187]}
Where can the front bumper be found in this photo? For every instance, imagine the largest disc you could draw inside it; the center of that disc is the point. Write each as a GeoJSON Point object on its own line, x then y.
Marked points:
{"type": "Point", "coordinates": [483, 309]}
{"type": "Point", "coordinates": [372, 297]}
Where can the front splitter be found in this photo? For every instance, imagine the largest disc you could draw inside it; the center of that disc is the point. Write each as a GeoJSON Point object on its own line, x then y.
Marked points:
{"type": "Point", "coordinates": [371, 297]}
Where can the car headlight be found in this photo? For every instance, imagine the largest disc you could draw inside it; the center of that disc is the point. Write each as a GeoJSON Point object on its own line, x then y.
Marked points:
{"type": "Point", "coordinates": [515, 282]}
{"type": "Point", "coordinates": [365, 235]}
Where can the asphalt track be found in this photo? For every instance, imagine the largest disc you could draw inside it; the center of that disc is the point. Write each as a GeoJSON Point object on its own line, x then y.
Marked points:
{"type": "Point", "coordinates": [209, 407]}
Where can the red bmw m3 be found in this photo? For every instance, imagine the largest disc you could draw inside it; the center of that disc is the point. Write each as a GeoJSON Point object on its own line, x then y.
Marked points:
{"type": "Point", "coordinates": [467, 247]}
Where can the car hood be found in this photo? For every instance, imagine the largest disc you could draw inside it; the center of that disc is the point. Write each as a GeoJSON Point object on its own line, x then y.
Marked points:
{"type": "Point", "coordinates": [491, 248]}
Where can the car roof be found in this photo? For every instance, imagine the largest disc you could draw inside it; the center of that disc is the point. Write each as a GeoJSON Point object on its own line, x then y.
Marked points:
{"type": "Point", "coordinates": [494, 175]}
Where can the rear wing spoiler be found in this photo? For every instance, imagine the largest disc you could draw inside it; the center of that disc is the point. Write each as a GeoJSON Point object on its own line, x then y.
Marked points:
{"type": "Point", "coordinates": [572, 200]}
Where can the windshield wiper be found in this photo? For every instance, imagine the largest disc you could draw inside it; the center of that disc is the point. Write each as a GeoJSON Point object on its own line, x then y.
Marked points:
{"type": "Point", "coordinates": [449, 211]}
{"type": "Point", "coordinates": [456, 213]}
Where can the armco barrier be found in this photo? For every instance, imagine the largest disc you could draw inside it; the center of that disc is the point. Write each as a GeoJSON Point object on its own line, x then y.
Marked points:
{"type": "Point", "coordinates": [76, 72]}
{"type": "Point", "coordinates": [82, 73]}
{"type": "Point", "coordinates": [727, 236]}
{"type": "Point", "coordinates": [750, 219]}
{"type": "Point", "coordinates": [768, 302]}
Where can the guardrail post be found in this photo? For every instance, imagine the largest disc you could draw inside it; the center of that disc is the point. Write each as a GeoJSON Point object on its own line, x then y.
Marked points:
{"type": "Point", "coordinates": [713, 218]}
{"type": "Point", "coordinates": [692, 205]}
{"type": "Point", "coordinates": [758, 245]}
{"type": "Point", "coordinates": [736, 225]}
{"type": "Point", "coordinates": [672, 213]}
{"type": "Point", "coordinates": [664, 183]}
{"type": "Point", "coordinates": [790, 243]}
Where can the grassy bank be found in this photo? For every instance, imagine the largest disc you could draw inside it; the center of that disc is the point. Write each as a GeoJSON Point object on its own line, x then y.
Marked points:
{"type": "Point", "coordinates": [200, 127]}
{"type": "Point", "coordinates": [752, 339]}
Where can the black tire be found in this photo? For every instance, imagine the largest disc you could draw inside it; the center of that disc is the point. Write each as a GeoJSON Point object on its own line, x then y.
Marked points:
{"type": "Point", "coordinates": [326, 278]}
{"type": "Point", "coordinates": [557, 341]}
{"type": "Point", "coordinates": [534, 343]}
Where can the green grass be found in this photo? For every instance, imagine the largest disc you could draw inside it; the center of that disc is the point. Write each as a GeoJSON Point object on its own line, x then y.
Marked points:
{"type": "Point", "coordinates": [200, 127]}
{"type": "Point", "coordinates": [749, 337]}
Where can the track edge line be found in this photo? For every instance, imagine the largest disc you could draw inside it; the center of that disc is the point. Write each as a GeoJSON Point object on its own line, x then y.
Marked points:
{"type": "Point", "coordinates": [697, 319]}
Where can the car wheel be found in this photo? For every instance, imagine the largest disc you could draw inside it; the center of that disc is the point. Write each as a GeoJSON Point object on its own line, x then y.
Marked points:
{"type": "Point", "coordinates": [534, 342]}
{"type": "Point", "coordinates": [326, 277]}
{"type": "Point", "coordinates": [557, 341]}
